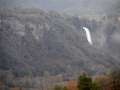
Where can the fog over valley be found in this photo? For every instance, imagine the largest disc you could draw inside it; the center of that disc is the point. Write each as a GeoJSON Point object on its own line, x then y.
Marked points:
{"type": "Point", "coordinates": [59, 44]}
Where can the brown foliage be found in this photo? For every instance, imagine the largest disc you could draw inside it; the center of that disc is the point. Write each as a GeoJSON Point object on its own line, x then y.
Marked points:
{"type": "Point", "coordinates": [104, 82]}
{"type": "Point", "coordinates": [72, 85]}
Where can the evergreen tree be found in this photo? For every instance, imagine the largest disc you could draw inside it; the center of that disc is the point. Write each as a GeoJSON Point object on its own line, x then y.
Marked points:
{"type": "Point", "coordinates": [84, 83]}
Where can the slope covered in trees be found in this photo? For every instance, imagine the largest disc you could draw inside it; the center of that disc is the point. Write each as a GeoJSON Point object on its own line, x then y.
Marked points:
{"type": "Point", "coordinates": [35, 42]}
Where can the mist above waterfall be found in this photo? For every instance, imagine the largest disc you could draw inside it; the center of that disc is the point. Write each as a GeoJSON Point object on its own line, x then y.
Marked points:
{"type": "Point", "coordinates": [78, 7]}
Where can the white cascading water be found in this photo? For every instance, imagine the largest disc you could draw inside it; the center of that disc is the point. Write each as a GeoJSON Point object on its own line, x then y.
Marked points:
{"type": "Point", "coordinates": [88, 35]}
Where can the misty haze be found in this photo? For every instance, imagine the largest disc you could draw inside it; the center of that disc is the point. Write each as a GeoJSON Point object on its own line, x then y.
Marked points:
{"type": "Point", "coordinates": [59, 45]}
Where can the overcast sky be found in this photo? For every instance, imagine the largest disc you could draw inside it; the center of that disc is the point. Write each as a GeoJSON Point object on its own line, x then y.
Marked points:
{"type": "Point", "coordinates": [68, 6]}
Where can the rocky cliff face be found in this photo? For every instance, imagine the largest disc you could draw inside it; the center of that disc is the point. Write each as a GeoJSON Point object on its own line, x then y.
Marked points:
{"type": "Point", "coordinates": [39, 42]}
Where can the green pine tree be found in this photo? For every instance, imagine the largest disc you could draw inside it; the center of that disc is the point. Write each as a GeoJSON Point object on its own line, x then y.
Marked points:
{"type": "Point", "coordinates": [84, 83]}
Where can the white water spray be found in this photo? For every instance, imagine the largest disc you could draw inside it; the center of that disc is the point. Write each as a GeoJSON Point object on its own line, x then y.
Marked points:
{"type": "Point", "coordinates": [88, 35]}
